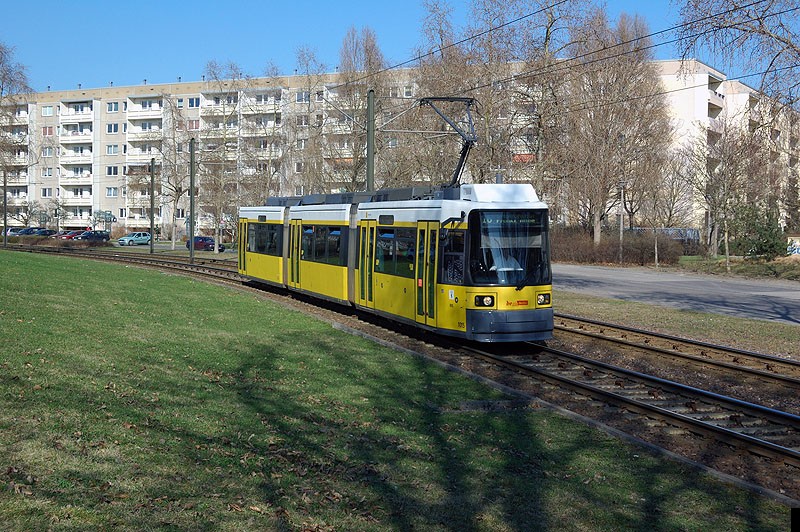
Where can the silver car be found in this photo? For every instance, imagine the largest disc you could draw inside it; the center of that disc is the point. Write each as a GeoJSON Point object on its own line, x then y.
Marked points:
{"type": "Point", "coordinates": [134, 239]}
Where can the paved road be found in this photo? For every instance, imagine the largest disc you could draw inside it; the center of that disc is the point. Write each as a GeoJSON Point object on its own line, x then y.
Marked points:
{"type": "Point", "coordinates": [760, 299]}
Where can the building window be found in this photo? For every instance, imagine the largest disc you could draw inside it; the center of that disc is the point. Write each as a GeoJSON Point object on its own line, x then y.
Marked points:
{"type": "Point", "coordinates": [194, 102]}
{"type": "Point", "coordinates": [112, 107]}
{"type": "Point", "coordinates": [408, 91]}
{"type": "Point", "coordinates": [122, 213]}
{"type": "Point", "coordinates": [303, 97]}
{"type": "Point", "coordinates": [47, 192]}
{"type": "Point", "coordinates": [112, 192]}
{"type": "Point", "coordinates": [47, 131]}
{"type": "Point", "coordinates": [112, 149]}
{"type": "Point", "coordinates": [302, 120]}
{"type": "Point", "coordinates": [180, 213]}
{"type": "Point", "coordinates": [147, 104]}
{"type": "Point", "coordinates": [180, 103]}
{"type": "Point", "coordinates": [193, 124]}
{"type": "Point", "coordinates": [47, 151]}
{"type": "Point", "coordinates": [299, 167]}
{"type": "Point", "coordinates": [112, 170]}
{"type": "Point", "coordinates": [47, 172]}
{"type": "Point", "coordinates": [302, 143]}
{"type": "Point", "coordinates": [147, 126]}
{"type": "Point", "coordinates": [112, 128]}
{"type": "Point", "coordinates": [47, 110]}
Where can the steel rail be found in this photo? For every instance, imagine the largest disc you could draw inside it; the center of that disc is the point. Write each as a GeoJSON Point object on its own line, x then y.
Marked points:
{"type": "Point", "coordinates": [769, 361]}
{"type": "Point", "coordinates": [735, 407]}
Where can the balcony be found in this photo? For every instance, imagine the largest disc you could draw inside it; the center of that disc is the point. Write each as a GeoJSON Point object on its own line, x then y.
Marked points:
{"type": "Point", "coordinates": [16, 180]}
{"type": "Point", "coordinates": [73, 136]}
{"type": "Point", "coordinates": [76, 158]}
{"type": "Point", "coordinates": [70, 180]}
{"type": "Point", "coordinates": [137, 112]}
{"type": "Point", "coordinates": [137, 133]}
{"type": "Point", "coordinates": [71, 116]}
{"type": "Point", "coordinates": [715, 98]}
{"type": "Point", "coordinates": [716, 125]}
{"type": "Point", "coordinates": [77, 201]}
{"type": "Point", "coordinates": [141, 157]}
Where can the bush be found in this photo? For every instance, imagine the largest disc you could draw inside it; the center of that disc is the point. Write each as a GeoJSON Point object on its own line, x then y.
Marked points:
{"type": "Point", "coordinates": [575, 245]}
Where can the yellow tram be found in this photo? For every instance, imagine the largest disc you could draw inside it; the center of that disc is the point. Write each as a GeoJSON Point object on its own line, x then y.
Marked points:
{"type": "Point", "coordinates": [470, 261]}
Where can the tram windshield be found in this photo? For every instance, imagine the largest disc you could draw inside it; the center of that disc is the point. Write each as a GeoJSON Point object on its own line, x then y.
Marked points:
{"type": "Point", "coordinates": [509, 248]}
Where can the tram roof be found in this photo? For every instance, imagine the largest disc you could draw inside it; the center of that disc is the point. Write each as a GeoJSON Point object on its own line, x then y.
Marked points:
{"type": "Point", "coordinates": [501, 192]}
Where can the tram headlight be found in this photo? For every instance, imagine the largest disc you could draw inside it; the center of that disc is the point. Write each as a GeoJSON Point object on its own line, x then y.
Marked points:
{"type": "Point", "coordinates": [543, 299]}
{"type": "Point", "coordinates": [484, 301]}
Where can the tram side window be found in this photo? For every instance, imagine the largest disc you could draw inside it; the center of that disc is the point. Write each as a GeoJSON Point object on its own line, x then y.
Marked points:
{"type": "Point", "coordinates": [452, 263]}
{"type": "Point", "coordinates": [384, 251]}
{"type": "Point", "coordinates": [394, 252]}
{"type": "Point", "coordinates": [406, 244]}
{"type": "Point", "coordinates": [266, 239]}
{"type": "Point", "coordinates": [322, 243]}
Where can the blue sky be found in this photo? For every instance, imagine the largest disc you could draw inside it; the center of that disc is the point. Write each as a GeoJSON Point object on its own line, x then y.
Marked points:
{"type": "Point", "coordinates": [93, 42]}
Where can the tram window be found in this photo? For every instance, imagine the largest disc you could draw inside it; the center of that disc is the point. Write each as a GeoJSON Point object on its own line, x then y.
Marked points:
{"type": "Point", "coordinates": [306, 243]}
{"type": "Point", "coordinates": [266, 239]}
{"type": "Point", "coordinates": [452, 263]}
{"type": "Point", "coordinates": [405, 242]}
{"type": "Point", "coordinates": [384, 251]}
{"type": "Point", "coordinates": [322, 243]}
{"type": "Point", "coordinates": [394, 252]}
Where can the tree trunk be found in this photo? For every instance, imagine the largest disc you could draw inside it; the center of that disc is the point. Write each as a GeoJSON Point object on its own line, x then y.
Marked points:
{"type": "Point", "coordinates": [596, 223]}
{"type": "Point", "coordinates": [727, 247]}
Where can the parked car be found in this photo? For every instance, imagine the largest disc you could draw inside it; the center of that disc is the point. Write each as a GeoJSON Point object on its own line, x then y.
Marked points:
{"type": "Point", "coordinates": [69, 235]}
{"type": "Point", "coordinates": [13, 231]}
{"type": "Point", "coordinates": [45, 232]}
{"type": "Point", "coordinates": [94, 236]}
{"type": "Point", "coordinates": [132, 239]}
{"type": "Point", "coordinates": [204, 243]}
{"type": "Point", "coordinates": [28, 231]}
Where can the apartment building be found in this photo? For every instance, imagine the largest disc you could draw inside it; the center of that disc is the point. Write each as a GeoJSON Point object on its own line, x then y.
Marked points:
{"type": "Point", "coordinates": [82, 157]}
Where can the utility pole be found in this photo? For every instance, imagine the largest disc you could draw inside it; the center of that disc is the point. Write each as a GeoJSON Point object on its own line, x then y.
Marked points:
{"type": "Point", "coordinates": [191, 200]}
{"type": "Point", "coordinates": [152, 201]}
{"type": "Point", "coordinates": [5, 208]}
{"type": "Point", "coordinates": [370, 140]}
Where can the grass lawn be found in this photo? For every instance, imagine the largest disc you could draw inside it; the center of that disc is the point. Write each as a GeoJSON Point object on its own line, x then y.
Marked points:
{"type": "Point", "coordinates": [136, 400]}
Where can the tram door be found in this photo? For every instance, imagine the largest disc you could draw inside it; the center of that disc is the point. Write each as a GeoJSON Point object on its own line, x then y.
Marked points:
{"type": "Point", "coordinates": [295, 247]}
{"type": "Point", "coordinates": [425, 268]}
{"type": "Point", "coordinates": [366, 263]}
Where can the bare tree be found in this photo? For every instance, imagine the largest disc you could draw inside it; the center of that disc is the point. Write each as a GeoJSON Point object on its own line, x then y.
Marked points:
{"type": "Point", "coordinates": [361, 65]}
{"type": "Point", "coordinates": [720, 171]}
{"type": "Point", "coordinates": [218, 161]}
{"type": "Point", "coordinates": [263, 153]}
{"type": "Point", "coordinates": [13, 89]}
{"type": "Point", "coordinates": [616, 125]}
{"type": "Point", "coordinates": [174, 162]}
{"type": "Point", "coordinates": [305, 131]}
{"type": "Point", "coordinates": [756, 37]}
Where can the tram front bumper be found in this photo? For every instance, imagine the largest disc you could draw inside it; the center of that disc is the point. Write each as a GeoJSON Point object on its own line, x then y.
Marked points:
{"type": "Point", "coordinates": [509, 325]}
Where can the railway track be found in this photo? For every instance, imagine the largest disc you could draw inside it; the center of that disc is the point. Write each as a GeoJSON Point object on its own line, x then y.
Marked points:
{"type": "Point", "coordinates": [766, 432]}
{"type": "Point", "coordinates": [736, 426]}
{"type": "Point", "coordinates": [753, 377]}
{"type": "Point", "coordinates": [771, 367]}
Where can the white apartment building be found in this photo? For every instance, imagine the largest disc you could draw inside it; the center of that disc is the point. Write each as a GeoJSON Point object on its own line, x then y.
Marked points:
{"type": "Point", "coordinates": [83, 155]}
